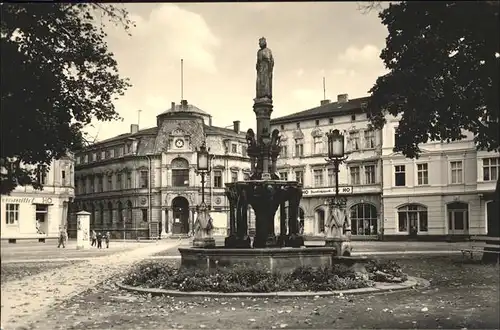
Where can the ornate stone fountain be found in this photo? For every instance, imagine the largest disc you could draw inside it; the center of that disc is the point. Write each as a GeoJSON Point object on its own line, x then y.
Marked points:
{"type": "Point", "coordinates": [265, 193]}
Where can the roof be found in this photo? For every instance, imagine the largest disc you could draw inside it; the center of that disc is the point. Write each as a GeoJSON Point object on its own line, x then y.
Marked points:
{"type": "Point", "coordinates": [185, 107]}
{"type": "Point", "coordinates": [327, 110]}
{"type": "Point", "coordinates": [214, 130]}
{"type": "Point", "coordinates": [146, 131]}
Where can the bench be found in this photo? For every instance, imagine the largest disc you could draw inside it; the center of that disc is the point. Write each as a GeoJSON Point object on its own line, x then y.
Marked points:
{"type": "Point", "coordinates": [476, 247]}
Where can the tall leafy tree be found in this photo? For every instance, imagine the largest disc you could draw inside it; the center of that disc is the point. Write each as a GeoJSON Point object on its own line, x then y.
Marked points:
{"type": "Point", "coordinates": [443, 62]}
{"type": "Point", "coordinates": [57, 74]}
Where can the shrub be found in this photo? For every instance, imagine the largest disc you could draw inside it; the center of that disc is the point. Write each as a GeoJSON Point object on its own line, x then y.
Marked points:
{"type": "Point", "coordinates": [385, 270]}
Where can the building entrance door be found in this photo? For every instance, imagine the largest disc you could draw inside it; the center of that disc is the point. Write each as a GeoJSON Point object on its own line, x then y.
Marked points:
{"type": "Point", "coordinates": [180, 206]}
{"type": "Point", "coordinates": [458, 219]}
{"type": "Point", "coordinates": [413, 224]}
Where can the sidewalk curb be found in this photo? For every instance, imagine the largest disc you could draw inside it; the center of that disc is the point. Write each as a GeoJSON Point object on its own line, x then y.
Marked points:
{"type": "Point", "coordinates": [411, 283]}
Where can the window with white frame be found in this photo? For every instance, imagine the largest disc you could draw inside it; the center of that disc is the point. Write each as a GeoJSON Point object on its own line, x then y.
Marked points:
{"type": "Point", "coordinates": [94, 156]}
{"type": "Point", "coordinates": [299, 176]}
{"type": "Point", "coordinates": [110, 182]}
{"type": "Point", "coordinates": [422, 174]}
{"type": "Point", "coordinates": [103, 154]}
{"type": "Point", "coordinates": [11, 214]}
{"type": "Point", "coordinates": [370, 174]}
{"type": "Point", "coordinates": [100, 184]}
{"type": "Point", "coordinates": [355, 175]}
{"type": "Point", "coordinates": [284, 175]}
{"type": "Point", "coordinates": [246, 176]}
{"type": "Point", "coordinates": [234, 176]}
{"type": "Point", "coordinates": [284, 152]}
{"type": "Point", "coordinates": [217, 179]}
{"type": "Point", "coordinates": [318, 177]}
{"type": "Point", "coordinates": [491, 167]}
{"type": "Point", "coordinates": [354, 140]}
{"type": "Point", "coordinates": [144, 178]}
{"type": "Point", "coordinates": [399, 176]}
{"type": "Point", "coordinates": [42, 174]}
{"type": "Point", "coordinates": [129, 180]}
{"type": "Point", "coordinates": [456, 169]}
{"type": "Point", "coordinates": [299, 147]}
{"type": "Point", "coordinates": [318, 145]}
{"type": "Point", "coordinates": [331, 177]}
{"type": "Point", "coordinates": [234, 148]}
{"type": "Point", "coordinates": [369, 139]}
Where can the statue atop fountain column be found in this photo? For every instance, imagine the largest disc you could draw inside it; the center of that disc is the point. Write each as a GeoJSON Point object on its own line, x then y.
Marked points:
{"type": "Point", "coordinates": [265, 65]}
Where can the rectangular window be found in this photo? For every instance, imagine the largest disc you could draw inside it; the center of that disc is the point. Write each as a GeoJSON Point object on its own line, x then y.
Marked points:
{"type": "Point", "coordinates": [318, 178]}
{"type": "Point", "coordinates": [144, 215]}
{"type": "Point", "coordinates": [111, 153]}
{"type": "Point", "coordinates": [63, 178]}
{"type": "Point", "coordinates": [86, 159]}
{"type": "Point", "coordinates": [299, 148]}
{"type": "Point", "coordinates": [11, 214]}
{"type": "Point", "coordinates": [246, 176]}
{"type": "Point", "coordinates": [284, 152]}
{"type": "Point", "coordinates": [94, 156]}
{"type": "Point", "coordinates": [330, 120]}
{"type": "Point", "coordinates": [129, 180]}
{"type": "Point", "coordinates": [355, 175]}
{"type": "Point", "coordinates": [41, 176]}
{"type": "Point", "coordinates": [402, 221]}
{"type": "Point", "coordinates": [217, 179]}
{"type": "Point", "coordinates": [180, 177]}
{"type": "Point", "coordinates": [119, 181]}
{"type": "Point", "coordinates": [399, 175]}
{"type": "Point", "coordinates": [491, 167]}
{"type": "Point", "coordinates": [144, 178]}
{"type": "Point", "coordinates": [299, 176]}
{"type": "Point", "coordinates": [284, 176]}
{"type": "Point", "coordinates": [110, 182]}
{"type": "Point", "coordinates": [41, 212]}
{"type": "Point", "coordinates": [354, 140]}
{"type": "Point", "coordinates": [369, 139]}
{"type": "Point", "coordinates": [422, 174]}
{"type": "Point", "coordinates": [103, 154]}
{"type": "Point", "coordinates": [234, 148]}
{"type": "Point", "coordinates": [318, 145]}
{"type": "Point", "coordinates": [370, 174]}
{"type": "Point", "coordinates": [92, 184]}
{"type": "Point", "coordinates": [244, 150]}
{"type": "Point", "coordinates": [317, 122]}
{"type": "Point", "coordinates": [456, 171]}
{"type": "Point", "coordinates": [100, 185]}
{"type": "Point", "coordinates": [78, 160]}
{"type": "Point", "coordinates": [331, 177]}
{"type": "Point", "coordinates": [234, 176]}
{"type": "Point", "coordinates": [422, 221]}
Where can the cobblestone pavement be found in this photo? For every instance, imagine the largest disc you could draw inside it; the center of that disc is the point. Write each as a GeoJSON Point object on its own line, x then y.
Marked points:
{"type": "Point", "coordinates": [25, 300]}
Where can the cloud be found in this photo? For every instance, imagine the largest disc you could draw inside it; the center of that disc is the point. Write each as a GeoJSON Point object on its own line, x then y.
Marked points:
{"type": "Point", "coordinates": [353, 55]}
{"type": "Point", "coordinates": [168, 34]}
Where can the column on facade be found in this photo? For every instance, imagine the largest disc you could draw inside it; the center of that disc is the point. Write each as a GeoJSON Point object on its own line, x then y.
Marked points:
{"type": "Point", "coordinates": [163, 222]}
{"type": "Point", "coordinates": [191, 219]}
{"type": "Point", "coordinates": [170, 219]}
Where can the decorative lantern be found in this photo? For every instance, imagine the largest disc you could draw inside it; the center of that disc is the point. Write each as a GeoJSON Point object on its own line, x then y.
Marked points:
{"type": "Point", "coordinates": [335, 144]}
{"type": "Point", "coordinates": [203, 162]}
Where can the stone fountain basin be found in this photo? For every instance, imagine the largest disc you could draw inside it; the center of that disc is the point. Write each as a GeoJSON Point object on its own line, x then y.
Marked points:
{"type": "Point", "coordinates": [282, 259]}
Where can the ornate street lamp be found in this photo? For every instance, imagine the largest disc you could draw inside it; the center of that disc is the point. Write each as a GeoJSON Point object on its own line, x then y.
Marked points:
{"type": "Point", "coordinates": [337, 204]}
{"type": "Point", "coordinates": [203, 226]}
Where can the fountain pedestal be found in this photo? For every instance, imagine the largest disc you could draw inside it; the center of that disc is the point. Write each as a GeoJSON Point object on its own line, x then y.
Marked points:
{"type": "Point", "coordinates": [338, 220]}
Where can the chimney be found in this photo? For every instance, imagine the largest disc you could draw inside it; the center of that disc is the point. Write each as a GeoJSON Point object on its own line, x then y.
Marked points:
{"type": "Point", "coordinates": [236, 126]}
{"type": "Point", "coordinates": [324, 102]}
{"type": "Point", "coordinates": [342, 98]}
{"type": "Point", "coordinates": [173, 106]}
{"type": "Point", "coordinates": [134, 128]}
{"type": "Point", "coordinates": [184, 104]}
{"type": "Point", "coordinates": [210, 121]}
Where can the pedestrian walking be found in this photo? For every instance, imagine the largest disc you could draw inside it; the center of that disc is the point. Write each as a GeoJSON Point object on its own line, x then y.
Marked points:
{"type": "Point", "coordinates": [63, 236]}
{"type": "Point", "coordinates": [107, 237]}
{"type": "Point", "coordinates": [99, 240]}
{"type": "Point", "coordinates": [93, 238]}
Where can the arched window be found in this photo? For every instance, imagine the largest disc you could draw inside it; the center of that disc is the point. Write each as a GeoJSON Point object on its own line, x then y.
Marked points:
{"type": "Point", "coordinates": [129, 212]}
{"type": "Point", "coordinates": [364, 219]}
{"type": "Point", "coordinates": [412, 218]}
{"type": "Point", "coordinates": [120, 211]}
{"type": "Point", "coordinates": [101, 213]}
{"type": "Point", "coordinates": [110, 213]}
{"type": "Point", "coordinates": [180, 172]}
{"type": "Point", "coordinates": [320, 218]}
{"type": "Point", "coordinates": [458, 218]}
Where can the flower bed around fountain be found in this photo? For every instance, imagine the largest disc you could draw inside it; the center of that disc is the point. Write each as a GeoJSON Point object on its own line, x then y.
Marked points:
{"type": "Point", "coordinates": [257, 278]}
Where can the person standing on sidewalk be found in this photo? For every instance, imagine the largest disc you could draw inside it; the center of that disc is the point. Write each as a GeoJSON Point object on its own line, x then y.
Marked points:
{"type": "Point", "coordinates": [99, 240]}
{"type": "Point", "coordinates": [93, 238]}
{"type": "Point", "coordinates": [62, 237]}
{"type": "Point", "coordinates": [107, 237]}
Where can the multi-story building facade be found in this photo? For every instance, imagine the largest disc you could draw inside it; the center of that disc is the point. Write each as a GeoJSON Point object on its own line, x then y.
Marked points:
{"type": "Point", "coordinates": [446, 192]}
{"type": "Point", "coordinates": [144, 183]}
{"type": "Point", "coordinates": [303, 159]}
{"type": "Point", "coordinates": [30, 214]}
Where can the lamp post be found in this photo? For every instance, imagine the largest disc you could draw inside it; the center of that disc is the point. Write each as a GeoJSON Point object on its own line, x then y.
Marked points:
{"type": "Point", "coordinates": [337, 204]}
{"type": "Point", "coordinates": [203, 226]}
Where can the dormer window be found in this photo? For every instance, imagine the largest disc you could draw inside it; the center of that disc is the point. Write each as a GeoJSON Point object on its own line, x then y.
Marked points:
{"type": "Point", "coordinates": [234, 148]}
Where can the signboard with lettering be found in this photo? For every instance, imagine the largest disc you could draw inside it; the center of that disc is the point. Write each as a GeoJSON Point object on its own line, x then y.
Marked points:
{"type": "Point", "coordinates": [326, 191]}
{"type": "Point", "coordinates": [27, 200]}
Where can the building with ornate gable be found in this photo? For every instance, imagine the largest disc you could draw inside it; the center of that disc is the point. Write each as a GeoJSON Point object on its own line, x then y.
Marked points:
{"type": "Point", "coordinates": [143, 184]}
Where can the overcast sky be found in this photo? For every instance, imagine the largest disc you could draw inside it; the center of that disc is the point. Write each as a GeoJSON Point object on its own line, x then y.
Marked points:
{"type": "Point", "coordinates": [219, 42]}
